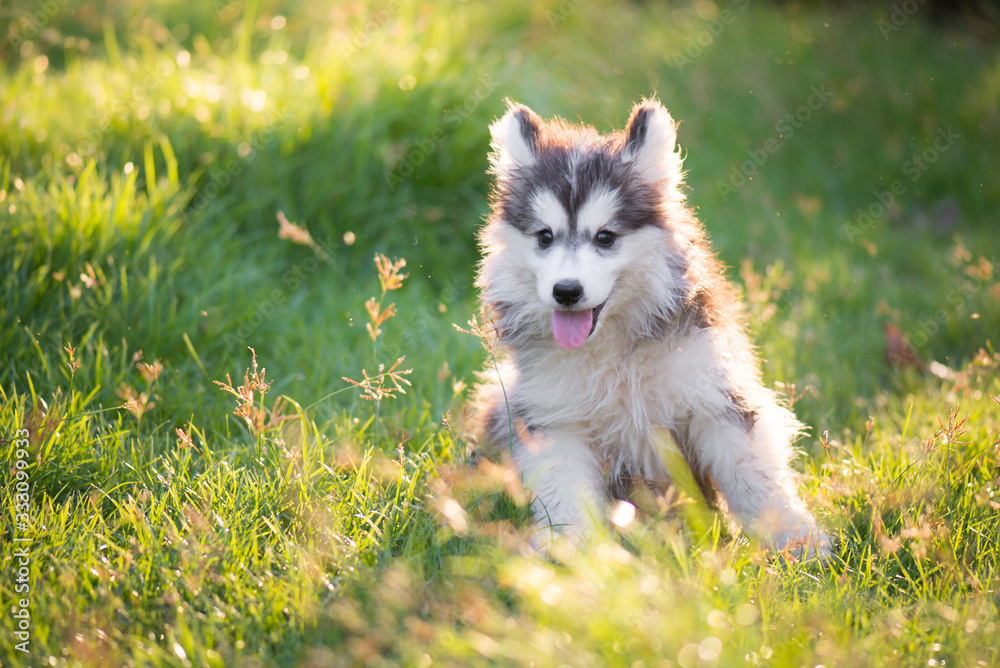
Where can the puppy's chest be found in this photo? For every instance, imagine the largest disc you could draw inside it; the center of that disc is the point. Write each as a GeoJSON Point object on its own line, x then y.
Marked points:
{"type": "Point", "coordinates": [623, 394]}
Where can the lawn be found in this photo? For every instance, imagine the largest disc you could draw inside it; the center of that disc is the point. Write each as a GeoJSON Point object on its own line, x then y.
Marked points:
{"type": "Point", "coordinates": [203, 207]}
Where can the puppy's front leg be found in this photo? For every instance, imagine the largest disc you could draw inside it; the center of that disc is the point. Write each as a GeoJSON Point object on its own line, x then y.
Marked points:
{"type": "Point", "coordinates": [565, 481]}
{"type": "Point", "coordinates": [749, 464]}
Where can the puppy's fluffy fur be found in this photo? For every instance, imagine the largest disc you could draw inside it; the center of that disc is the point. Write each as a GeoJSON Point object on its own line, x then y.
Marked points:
{"type": "Point", "coordinates": [614, 319]}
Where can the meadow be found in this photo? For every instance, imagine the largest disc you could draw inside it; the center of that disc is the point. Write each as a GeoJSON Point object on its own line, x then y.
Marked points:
{"type": "Point", "coordinates": [203, 209]}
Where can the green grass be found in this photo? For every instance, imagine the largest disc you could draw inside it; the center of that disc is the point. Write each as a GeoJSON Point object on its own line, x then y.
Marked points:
{"type": "Point", "coordinates": [144, 156]}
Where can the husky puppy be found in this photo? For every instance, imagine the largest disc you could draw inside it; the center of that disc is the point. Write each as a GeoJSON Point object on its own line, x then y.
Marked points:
{"type": "Point", "coordinates": [613, 320]}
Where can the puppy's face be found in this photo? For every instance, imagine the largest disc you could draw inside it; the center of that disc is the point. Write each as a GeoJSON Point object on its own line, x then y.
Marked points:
{"type": "Point", "coordinates": [579, 217]}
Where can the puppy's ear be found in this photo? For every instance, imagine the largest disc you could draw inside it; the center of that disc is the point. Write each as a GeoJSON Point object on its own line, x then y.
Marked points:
{"type": "Point", "coordinates": [650, 144]}
{"type": "Point", "coordinates": [515, 139]}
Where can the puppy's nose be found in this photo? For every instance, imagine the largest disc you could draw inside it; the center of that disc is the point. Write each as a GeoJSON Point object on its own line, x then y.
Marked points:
{"type": "Point", "coordinates": [567, 293]}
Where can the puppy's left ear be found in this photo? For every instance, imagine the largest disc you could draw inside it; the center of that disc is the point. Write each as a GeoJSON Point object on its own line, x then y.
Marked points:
{"type": "Point", "coordinates": [514, 139]}
{"type": "Point", "coordinates": [651, 144]}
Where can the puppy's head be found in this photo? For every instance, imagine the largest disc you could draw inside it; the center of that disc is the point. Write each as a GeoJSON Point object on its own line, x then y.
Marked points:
{"type": "Point", "coordinates": [580, 224]}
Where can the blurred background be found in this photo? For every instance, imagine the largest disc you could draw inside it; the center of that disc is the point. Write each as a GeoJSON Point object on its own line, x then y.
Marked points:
{"type": "Point", "coordinates": [181, 181]}
{"type": "Point", "coordinates": [367, 124]}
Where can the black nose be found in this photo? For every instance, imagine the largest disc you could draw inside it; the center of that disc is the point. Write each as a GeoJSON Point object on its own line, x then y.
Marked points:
{"type": "Point", "coordinates": [567, 293]}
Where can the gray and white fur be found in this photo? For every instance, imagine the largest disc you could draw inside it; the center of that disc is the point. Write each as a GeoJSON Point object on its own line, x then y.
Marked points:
{"type": "Point", "coordinates": [613, 319]}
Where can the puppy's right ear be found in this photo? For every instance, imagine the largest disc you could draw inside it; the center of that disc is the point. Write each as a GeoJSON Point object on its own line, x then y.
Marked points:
{"type": "Point", "coordinates": [514, 139]}
{"type": "Point", "coordinates": [651, 144]}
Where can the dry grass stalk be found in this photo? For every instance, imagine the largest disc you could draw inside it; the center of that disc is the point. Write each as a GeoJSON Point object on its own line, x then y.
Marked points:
{"type": "Point", "coordinates": [378, 316]}
{"type": "Point", "coordinates": [184, 438]}
{"type": "Point", "coordinates": [150, 372]}
{"type": "Point", "coordinates": [384, 383]}
{"type": "Point", "coordinates": [389, 278]}
{"type": "Point", "coordinates": [245, 394]}
{"type": "Point", "coordinates": [388, 273]}
{"type": "Point", "coordinates": [298, 235]}
{"type": "Point", "coordinates": [73, 363]}
{"type": "Point", "coordinates": [375, 387]}
{"type": "Point", "coordinates": [136, 403]}
{"type": "Point", "coordinates": [483, 329]}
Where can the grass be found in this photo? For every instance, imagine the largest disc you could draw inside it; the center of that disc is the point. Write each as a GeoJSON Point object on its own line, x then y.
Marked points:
{"type": "Point", "coordinates": [145, 156]}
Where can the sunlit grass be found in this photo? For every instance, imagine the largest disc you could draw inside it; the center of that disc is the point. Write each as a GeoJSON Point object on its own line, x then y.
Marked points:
{"type": "Point", "coordinates": [188, 197]}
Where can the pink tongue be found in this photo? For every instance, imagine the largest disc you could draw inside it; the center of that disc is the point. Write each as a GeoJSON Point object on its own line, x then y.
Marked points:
{"type": "Point", "coordinates": [571, 328]}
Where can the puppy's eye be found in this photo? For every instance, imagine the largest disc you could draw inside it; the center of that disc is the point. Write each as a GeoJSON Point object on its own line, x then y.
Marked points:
{"type": "Point", "coordinates": [545, 238]}
{"type": "Point", "coordinates": [605, 238]}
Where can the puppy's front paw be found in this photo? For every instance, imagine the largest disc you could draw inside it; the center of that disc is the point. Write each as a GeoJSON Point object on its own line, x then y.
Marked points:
{"type": "Point", "coordinates": [803, 545]}
{"type": "Point", "coordinates": [556, 543]}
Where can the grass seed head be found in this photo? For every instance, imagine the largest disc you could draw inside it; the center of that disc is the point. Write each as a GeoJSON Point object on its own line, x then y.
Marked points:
{"type": "Point", "coordinates": [482, 327]}
{"type": "Point", "coordinates": [136, 403]}
{"type": "Point", "coordinates": [184, 438]}
{"type": "Point", "coordinates": [388, 272]}
{"type": "Point", "coordinates": [384, 383]}
{"type": "Point", "coordinates": [246, 407]}
{"type": "Point", "coordinates": [289, 231]}
{"type": "Point", "coordinates": [150, 372]}
{"type": "Point", "coordinates": [378, 316]}
{"type": "Point", "coordinates": [73, 363]}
